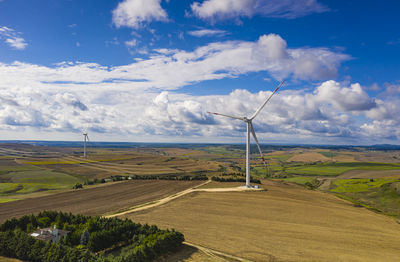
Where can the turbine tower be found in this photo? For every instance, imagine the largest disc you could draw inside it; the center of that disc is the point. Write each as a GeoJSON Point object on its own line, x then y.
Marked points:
{"type": "Point", "coordinates": [85, 138]}
{"type": "Point", "coordinates": [250, 129]}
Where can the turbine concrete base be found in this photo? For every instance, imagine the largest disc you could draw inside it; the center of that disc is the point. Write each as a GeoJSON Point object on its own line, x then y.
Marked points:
{"type": "Point", "coordinates": [252, 188]}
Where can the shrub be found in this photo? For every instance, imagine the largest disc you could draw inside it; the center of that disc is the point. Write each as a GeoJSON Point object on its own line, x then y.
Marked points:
{"type": "Point", "coordinates": [77, 186]}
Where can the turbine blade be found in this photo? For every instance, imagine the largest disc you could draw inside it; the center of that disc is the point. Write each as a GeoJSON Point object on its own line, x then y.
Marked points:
{"type": "Point", "coordinates": [266, 101]}
{"type": "Point", "coordinates": [234, 117]}
{"type": "Point", "coordinates": [258, 145]}
{"type": "Point", "coordinates": [87, 138]}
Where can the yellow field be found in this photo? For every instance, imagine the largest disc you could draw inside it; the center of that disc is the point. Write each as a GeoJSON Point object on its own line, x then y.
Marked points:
{"type": "Point", "coordinates": [308, 157]}
{"type": "Point", "coordinates": [285, 223]}
{"type": "Point", "coordinates": [7, 259]}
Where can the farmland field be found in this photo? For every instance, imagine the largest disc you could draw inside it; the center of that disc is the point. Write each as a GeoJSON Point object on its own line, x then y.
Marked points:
{"type": "Point", "coordinates": [335, 169]}
{"type": "Point", "coordinates": [288, 221]}
{"type": "Point", "coordinates": [98, 200]}
{"type": "Point", "coordinates": [379, 194]}
{"type": "Point", "coordinates": [26, 169]}
{"type": "Point", "coordinates": [285, 223]}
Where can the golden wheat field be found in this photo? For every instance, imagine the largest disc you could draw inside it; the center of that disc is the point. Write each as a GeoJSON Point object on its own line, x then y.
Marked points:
{"type": "Point", "coordinates": [285, 223]}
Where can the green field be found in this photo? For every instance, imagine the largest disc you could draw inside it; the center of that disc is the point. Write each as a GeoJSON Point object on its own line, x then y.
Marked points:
{"type": "Point", "coordinates": [8, 187]}
{"type": "Point", "coordinates": [359, 185]}
{"type": "Point", "coordinates": [224, 151]}
{"type": "Point", "coordinates": [321, 169]}
{"type": "Point", "coordinates": [301, 180]}
{"type": "Point", "coordinates": [7, 169]}
{"type": "Point", "coordinates": [329, 154]}
{"type": "Point", "coordinates": [22, 182]}
{"type": "Point", "coordinates": [382, 195]}
{"type": "Point", "coordinates": [335, 169]}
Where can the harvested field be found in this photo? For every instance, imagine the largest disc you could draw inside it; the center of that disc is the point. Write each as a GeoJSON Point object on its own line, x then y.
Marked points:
{"type": "Point", "coordinates": [7, 259]}
{"type": "Point", "coordinates": [285, 223]}
{"type": "Point", "coordinates": [104, 165]}
{"type": "Point", "coordinates": [98, 200]}
{"type": "Point", "coordinates": [308, 157]}
{"type": "Point", "coordinates": [379, 156]}
{"type": "Point", "coordinates": [370, 174]}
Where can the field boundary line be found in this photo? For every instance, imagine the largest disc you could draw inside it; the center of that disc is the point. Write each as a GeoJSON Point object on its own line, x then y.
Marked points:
{"type": "Point", "coordinates": [159, 202]}
{"type": "Point", "coordinates": [214, 253]}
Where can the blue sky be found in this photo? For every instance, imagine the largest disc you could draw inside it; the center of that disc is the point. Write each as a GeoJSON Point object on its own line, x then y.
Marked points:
{"type": "Point", "coordinates": [149, 70]}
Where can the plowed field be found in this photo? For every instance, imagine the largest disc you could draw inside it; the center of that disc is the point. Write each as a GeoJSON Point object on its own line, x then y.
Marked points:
{"type": "Point", "coordinates": [97, 200]}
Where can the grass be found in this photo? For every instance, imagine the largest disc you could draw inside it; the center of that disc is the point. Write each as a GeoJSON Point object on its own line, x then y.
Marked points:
{"type": "Point", "coordinates": [38, 180]}
{"type": "Point", "coordinates": [301, 180]}
{"type": "Point", "coordinates": [358, 185]}
{"type": "Point", "coordinates": [329, 154]}
{"type": "Point", "coordinates": [17, 168]}
{"type": "Point", "coordinates": [5, 200]}
{"type": "Point", "coordinates": [223, 150]}
{"type": "Point", "coordinates": [34, 187]}
{"type": "Point", "coordinates": [335, 169]}
{"type": "Point", "coordinates": [40, 176]}
{"type": "Point", "coordinates": [381, 195]}
{"type": "Point", "coordinates": [7, 187]}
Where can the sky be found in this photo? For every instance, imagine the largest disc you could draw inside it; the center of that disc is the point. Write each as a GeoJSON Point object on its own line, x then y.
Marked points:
{"type": "Point", "coordinates": [150, 70]}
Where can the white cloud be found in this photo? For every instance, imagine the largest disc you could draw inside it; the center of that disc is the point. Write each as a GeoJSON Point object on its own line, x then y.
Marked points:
{"type": "Point", "coordinates": [352, 98]}
{"type": "Point", "coordinates": [134, 13]}
{"type": "Point", "coordinates": [133, 101]}
{"type": "Point", "coordinates": [171, 69]}
{"type": "Point", "coordinates": [392, 89]}
{"type": "Point", "coordinates": [12, 38]}
{"type": "Point", "coordinates": [227, 9]}
{"type": "Point", "coordinates": [131, 43]}
{"type": "Point", "coordinates": [208, 32]}
{"type": "Point", "coordinates": [17, 43]}
{"type": "Point", "coordinates": [127, 111]}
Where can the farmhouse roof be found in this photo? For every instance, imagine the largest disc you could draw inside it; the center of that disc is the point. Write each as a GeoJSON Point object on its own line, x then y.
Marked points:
{"type": "Point", "coordinates": [49, 233]}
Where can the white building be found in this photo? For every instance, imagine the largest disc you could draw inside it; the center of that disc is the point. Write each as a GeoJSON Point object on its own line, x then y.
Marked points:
{"type": "Point", "coordinates": [50, 234]}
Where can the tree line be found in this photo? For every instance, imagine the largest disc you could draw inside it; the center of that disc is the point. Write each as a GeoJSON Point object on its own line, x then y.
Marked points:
{"type": "Point", "coordinates": [90, 239]}
{"type": "Point", "coordinates": [141, 177]}
{"type": "Point", "coordinates": [234, 179]}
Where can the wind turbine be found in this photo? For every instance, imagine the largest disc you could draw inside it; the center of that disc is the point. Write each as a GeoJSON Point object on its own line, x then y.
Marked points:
{"type": "Point", "coordinates": [250, 129]}
{"type": "Point", "coordinates": [85, 138]}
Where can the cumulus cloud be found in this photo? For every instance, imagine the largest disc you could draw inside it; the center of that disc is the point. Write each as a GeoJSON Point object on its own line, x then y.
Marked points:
{"type": "Point", "coordinates": [12, 38]}
{"type": "Point", "coordinates": [207, 32]}
{"type": "Point", "coordinates": [171, 68]}
{"type": "Point", "coordinates": [289, 115]}
{"type": "Point", "coordinates": [137, 99]}
{"type": "Point", "coordinates": [134, 13]}
{"type": "Point", "coordinates": [292, 115]}
{"type": "Point", "coordinates": [352, 98]}
{"type": "Point", "coordinates": [227, 9]}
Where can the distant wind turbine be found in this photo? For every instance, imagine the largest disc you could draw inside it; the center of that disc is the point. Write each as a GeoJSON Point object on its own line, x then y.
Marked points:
{"type": "Point", "coordinates": [85, 138]}
{"type": "Point", "coordinates": [250, 129]}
